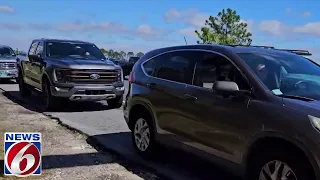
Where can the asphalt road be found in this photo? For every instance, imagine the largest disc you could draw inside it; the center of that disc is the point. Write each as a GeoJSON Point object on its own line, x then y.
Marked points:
{"type": "Point", "coordinates": [107, 127]}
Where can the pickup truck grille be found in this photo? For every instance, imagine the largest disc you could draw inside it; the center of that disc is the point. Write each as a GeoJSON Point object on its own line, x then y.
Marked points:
{"type": "Point", "coordinates": [83, 76]}
{"type": "Point", "coordinates": [7, 65]}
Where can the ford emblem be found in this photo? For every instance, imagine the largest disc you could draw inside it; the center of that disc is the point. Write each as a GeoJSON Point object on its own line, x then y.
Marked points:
{"type": "Point", "coordinates": [94, 76]}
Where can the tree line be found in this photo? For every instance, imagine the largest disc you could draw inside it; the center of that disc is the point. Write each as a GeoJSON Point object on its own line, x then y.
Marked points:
{"type": "Point", "coordinates": [120, 54]}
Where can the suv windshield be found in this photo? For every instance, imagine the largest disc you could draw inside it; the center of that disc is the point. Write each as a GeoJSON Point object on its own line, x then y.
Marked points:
{"type": "Point", "coordinates": [73, 50]}
{"type": "Point", "coordinates": [287, 75]}
{"type": "Point", "coordinates": [5, 51]}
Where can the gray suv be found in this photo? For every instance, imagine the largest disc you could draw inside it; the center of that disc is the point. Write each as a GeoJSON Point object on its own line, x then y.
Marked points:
{"type": "Point", "coordinates": [72, 70]}
{"type": "Point", "coordinates": [8, 63]}
{"type": "Point", "coordinates": [253, 110]}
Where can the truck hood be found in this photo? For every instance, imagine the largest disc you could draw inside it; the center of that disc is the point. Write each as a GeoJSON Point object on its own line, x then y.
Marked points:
{"type": "Point", "coordinates": [84, 63]}
{"type": "Point", "coordinates": [8, 59]}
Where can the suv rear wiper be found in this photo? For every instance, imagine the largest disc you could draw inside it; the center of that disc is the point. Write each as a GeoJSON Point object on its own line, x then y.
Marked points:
{"type": "Point", "coordinates": [296, 97]}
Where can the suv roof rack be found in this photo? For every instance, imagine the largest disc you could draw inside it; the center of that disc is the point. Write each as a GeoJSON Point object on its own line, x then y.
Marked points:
{"type": "Point", "coordinates": [267, 47]}
{"type": "Point", "coordinates": [295, 51]}
{"type": "Point", "coordinates": [298, 52]}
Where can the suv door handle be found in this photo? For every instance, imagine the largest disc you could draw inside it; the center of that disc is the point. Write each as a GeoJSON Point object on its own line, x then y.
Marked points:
{"type": "Point", "coordinates": [151, 85]}
{"type": "Point", "coordinates": [189, 97]}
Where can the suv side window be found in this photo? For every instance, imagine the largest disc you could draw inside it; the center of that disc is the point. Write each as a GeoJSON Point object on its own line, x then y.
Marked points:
{"type": "Point", "coordinates": [39, 50]}
{"type": "Point", "coordinates": [177, 66]}
{"type": "Point", "coordinates": [213, 67]}
{"type": "Point", "coordinates": [33, 47]}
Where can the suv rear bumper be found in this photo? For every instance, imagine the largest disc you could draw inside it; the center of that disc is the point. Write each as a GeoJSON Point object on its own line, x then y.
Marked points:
{"type": "Point", "coordinates": [88, 92]}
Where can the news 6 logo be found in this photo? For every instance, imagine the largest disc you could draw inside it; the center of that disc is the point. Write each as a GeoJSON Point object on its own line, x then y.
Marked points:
{"type": "Point", "coordinates": [22, 154]}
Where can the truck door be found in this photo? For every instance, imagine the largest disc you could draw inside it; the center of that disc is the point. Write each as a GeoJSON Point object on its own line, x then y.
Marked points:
{"type": "Point", "coordinates": [37, 65]}
{"type": "Point", "coordinates": [27, 64]}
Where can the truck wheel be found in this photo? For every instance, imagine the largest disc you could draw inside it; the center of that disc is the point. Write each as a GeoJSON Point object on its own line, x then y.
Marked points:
{"type": "Point", "coordinates": [50, 101]}
{"type": "Point", "coordinates": [23, 88]}
{"type": "Point", "coordinates": [116, 102]}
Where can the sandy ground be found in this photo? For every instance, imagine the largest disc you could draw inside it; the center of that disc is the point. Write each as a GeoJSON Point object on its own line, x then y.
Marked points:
{"type": "Point", "coordinates": [65, 154]}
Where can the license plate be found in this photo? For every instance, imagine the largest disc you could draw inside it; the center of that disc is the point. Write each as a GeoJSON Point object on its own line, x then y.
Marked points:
{"type": "Point", "coordinates": [3, 74]}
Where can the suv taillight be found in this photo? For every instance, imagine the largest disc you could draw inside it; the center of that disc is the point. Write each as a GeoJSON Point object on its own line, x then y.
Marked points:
{"type": "Point", "coordinates": [130, 77]}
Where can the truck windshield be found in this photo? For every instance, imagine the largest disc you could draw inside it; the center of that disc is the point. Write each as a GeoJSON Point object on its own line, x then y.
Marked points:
{"type": "Point", "coordinates": [286, 75]}
{"type": "Point", "coordinates": [73, 50]}
{"type": "Point", "coordinates": [5, 51]}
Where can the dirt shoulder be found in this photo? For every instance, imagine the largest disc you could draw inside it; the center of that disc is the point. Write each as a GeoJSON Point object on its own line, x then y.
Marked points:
{"type": "Point", "coordinates": [65, 154]}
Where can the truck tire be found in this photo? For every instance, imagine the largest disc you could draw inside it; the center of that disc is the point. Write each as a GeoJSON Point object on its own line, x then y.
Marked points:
{"type": "Point", "coordinates": [50, 102]}
{"type": "Point", "coordinates": [115, 103]}
{"type": "Point", "coordinates": [23, 87]}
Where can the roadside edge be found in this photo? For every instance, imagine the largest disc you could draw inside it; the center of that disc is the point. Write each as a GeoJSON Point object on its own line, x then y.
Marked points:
{"type": "Point", "coordinates": [93, 141]}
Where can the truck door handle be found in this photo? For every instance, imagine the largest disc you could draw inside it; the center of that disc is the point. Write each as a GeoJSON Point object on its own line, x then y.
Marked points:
{"type": "Point", "coordinates": [151, 85]}
{"type": "Point", "coordinates": [189, 97]}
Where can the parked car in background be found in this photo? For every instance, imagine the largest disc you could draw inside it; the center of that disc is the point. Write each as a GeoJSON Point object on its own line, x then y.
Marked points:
{"type": "Point", "coordinates": [253, 110]}
{"type": "Point", "coordinates": [21, 56]}
{"type": "Point", "coordinates": [132, 60]}
{"type": "Point", "coordinates": [71, 70]}
{"type": "Point", "coordinates": [8, 63]}
{"type": "Point", "coordinates": [125, 65]}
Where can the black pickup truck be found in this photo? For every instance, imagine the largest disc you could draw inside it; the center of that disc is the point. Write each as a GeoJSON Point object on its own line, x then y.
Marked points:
{"type": "Point", "coordinates": [70, 70]}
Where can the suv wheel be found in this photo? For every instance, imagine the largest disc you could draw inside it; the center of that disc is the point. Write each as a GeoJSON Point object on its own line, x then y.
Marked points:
{"type": "Point", "coordinates": [115, 102]}
{"type": "Point", "coordinates": [143, 136]}
{"type": "Point", "coordinates": [23, 88]}
{"type": "Point", "coordinates": [280, 164]}
{"type": "Point", "coordinates": [49, 101]}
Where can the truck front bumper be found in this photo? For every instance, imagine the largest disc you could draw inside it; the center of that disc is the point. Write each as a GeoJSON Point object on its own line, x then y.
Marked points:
{"type": "Point", "coordinates": [9, 74]}
{"type": "Point", "coordinates": [88, 92]}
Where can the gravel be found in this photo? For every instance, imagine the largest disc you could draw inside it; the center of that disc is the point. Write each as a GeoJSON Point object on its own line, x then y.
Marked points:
{"type": "Point", "coordinates": [65, 154]}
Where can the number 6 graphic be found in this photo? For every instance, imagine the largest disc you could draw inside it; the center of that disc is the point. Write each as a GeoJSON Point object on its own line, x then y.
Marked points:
{"type": "Point", "coordinates": [15, 164]}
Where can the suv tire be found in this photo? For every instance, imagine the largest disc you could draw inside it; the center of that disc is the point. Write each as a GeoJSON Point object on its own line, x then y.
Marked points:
{"type": "Point", "coordinates": [142, 126]}
{"type": "Point", "coordinates": [23, 87]}
{"type": "Point", "coordinates": [299, 165]}
{"type": "Point", "coordinates": [50, 102]}
{"type": "Point", "coordinates": [115, 102]}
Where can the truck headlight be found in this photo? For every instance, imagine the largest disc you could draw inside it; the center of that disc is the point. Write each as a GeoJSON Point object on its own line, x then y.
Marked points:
{"type": "Point", "coordinates": [315, 121]}
{"type": "Point", "coordinates": [120, 75]}
{"type": "Point", "coordinates": [60, 75]}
